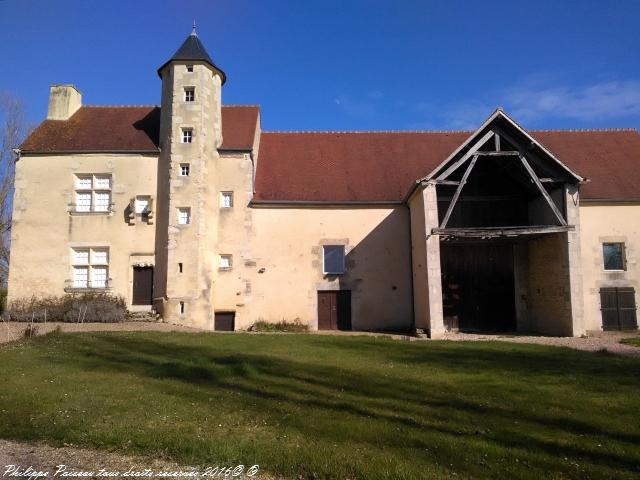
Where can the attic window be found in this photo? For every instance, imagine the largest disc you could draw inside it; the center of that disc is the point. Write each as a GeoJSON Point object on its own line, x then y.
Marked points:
{"type": "Point", "coordinates": [190, 68]}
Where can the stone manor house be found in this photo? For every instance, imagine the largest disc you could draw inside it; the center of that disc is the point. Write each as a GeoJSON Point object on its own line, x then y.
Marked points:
{"type": "Point", "coordinates": [191, 209]}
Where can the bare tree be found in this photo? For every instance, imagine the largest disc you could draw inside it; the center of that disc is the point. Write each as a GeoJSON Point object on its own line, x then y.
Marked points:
{"type": "Point", "coordinates": [13, 129]}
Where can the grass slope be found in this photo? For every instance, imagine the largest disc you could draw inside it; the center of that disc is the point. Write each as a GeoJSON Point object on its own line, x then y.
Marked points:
{"type": "Point", "coordinates": [307, 406]}
{"type": "Point", "coordinates": [635, 341]}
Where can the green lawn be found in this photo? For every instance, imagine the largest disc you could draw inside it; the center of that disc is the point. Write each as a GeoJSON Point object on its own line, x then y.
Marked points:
{"type": "Point", "coordinates": [310, 406]}
{"type": "Point", "coordinates": [635, 341]}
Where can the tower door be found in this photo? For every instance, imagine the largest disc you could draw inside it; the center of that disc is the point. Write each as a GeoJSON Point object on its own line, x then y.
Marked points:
{"type": "Point", "coordinates": [142, 286]}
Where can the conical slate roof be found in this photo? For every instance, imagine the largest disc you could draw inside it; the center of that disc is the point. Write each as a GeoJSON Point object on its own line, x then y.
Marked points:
{"type": "Point", "coordinates": [193, 50]}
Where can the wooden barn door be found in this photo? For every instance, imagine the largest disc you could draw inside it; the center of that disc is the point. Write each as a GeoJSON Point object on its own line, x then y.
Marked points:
{"type": "Point", "coordinates": [618, 306]}
{"type": "Point", "coordinates": [224, 321]}
{"type": "Point", "coordinates": [142, 286]}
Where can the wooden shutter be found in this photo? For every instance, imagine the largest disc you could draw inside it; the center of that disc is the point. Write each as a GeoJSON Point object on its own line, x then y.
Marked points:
{"type": "Point", "coordinates": [618, 307]}
{"type": "Point", "coordinates": [627, 308]}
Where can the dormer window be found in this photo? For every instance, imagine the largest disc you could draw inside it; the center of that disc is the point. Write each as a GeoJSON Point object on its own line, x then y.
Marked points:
{"type": "Point", "coordinates": [187, 135]}
{"type": "Point", "coordinates": [189, 94]}
{"type": "Point", "coordinates": [190, 68]}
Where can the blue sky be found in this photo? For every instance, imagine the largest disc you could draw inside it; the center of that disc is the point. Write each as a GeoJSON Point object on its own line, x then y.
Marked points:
{"type": "Point", "coordinates": [344, 65]}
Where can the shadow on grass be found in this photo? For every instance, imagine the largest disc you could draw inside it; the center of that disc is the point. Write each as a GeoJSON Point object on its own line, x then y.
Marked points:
{"type": "Point", "coordinates": [521, 400]}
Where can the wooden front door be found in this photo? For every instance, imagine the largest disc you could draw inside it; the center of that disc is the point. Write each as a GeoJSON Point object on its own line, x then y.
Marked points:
{"type": "Point", "coordinates": [334, 310]}
{"type": "Point", "coordinates": [224, 321]}
{"type": "Point", "coordinates": [618, 305]}
{"type": "Point", "coordinates": [142, 286]}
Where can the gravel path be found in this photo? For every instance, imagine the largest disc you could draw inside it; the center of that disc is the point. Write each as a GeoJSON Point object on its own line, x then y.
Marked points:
{"type": "Point", "coordinates": [596, 341]}
{"type": "Point", "coordinates": [43, 458]}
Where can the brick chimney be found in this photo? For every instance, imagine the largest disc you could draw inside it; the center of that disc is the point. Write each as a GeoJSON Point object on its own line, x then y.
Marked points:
{"type": "Point", "coordinates": [64, 101]}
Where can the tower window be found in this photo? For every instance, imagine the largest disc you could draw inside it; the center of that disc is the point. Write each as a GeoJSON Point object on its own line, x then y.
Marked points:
{"type": "Point", "coordinates": [614, 256]}
{"type": "Point", "coordinates": [181, 308]}
{"type": "Point", "coordinates": [187, 135]}
{"type": "Point", "coordinates": [190, 68]}
{"type": "Point", "coordinates": [226, 199]}
{"type": "Point", "coordinates": [184, 169]}
{"type": "Point", "coordinates": [189, 94]}
{"type": "Point", "coordinates": [184, 216]}
{"type": "Point", "coordinates": [226, 262]}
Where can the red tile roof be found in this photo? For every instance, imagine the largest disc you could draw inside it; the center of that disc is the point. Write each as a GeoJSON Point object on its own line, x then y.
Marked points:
{"type": "Point", "coordinates": [129, 128]}
{"type": "Point", "coordinates": [383, 166]}
{"type": "Point", "coordinates": [343, 166]}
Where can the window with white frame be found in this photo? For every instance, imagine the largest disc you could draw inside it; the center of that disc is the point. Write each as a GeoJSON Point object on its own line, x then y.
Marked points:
{"type": "Point", "coordinates": [184, 215]}
{"type": "Point", "coordinates": [226, 262]}
{"type": "Point", "coordinates": [226, 199]}
{"type": "Point", "coordinates": [93, 193]}
{"type": "Point", "coordinates": [187, 135]}
{"type": "Point", "coordinates": [189, 94]}
{"type": "Point", "coordinates": [333, 259]}
{"type": "Point", "coordinates": [90, 267]}
{"type": "Point", "coordinates": [184, 169]}
{"type": "Point", "coordinates": [142, 203]}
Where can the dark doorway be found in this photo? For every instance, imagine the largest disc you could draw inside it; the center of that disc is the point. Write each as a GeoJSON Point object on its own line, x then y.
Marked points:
{"type": "Point", "coordinates": [334, 310]}
{"type": "Point", "coordinates": [618, 307]}
{"type": "Point", "coordinates": [225, 321]}
{"type": "Point", "coordinates": [142, 286]}
{"type": "Point", "coordinates": [478, 286]}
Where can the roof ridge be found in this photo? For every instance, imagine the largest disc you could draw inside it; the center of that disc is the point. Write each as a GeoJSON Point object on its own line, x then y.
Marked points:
{"type": "Point", "coordinates": [366, 131]}
{"type": "Point", "coordinates": [236, 105]}
{"type": "Point", "coordinates": [623, 129]}
{"type": "Point", "coordinates": [119, 106]}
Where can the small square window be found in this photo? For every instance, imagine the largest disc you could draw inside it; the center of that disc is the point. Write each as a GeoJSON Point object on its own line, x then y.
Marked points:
{"type": "Point", "coordinates": [189, 94]}
{"type": "Point", "coordinates": [184, 216]}
{"type": "Point", "coordinates": [184, 169]}
{"type": "Point", "coordinates": [187, 135]}
{"type": "Point", "coordinates": [83, 183]}
{"type": "Point", "coordinates": [80, 277]}
{"type": "Point", "coordinates": [190, 68]}
{"type": "Point", "coordinates": [226, 262]}
{"type": "Point", "coordinates": [333, 259]}
{"type": "Point", "coordinates": [81, 257]}
{"type": "Point", "coordinates": [142, 205]}
{"type": "Point", "coordinates": [226, 199]}
{"type": "Point", "coordinates": [103, 183]}
{"type": "Point", "coordinates": [83, 201]}
{"type": "Point", "coordinates": [614, 256]}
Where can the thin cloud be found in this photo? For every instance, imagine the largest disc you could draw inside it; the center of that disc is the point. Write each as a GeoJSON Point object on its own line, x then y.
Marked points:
{"type": "Point", "coordinates": [598, 101]}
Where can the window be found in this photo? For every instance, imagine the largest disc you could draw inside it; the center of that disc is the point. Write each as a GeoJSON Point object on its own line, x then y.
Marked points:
{"type": "Point", "coordinates": [226, 199]}
{"type": "Point", "coordinates": [187, 135]}
{"type": "Point", "coordinates": [90, 267]}
{"type": "Point", "coordinates": [142, 205]}
{"type": "Point", "coordinates": [93, 193]}
{"type": "Point", "coordinates": [333, 259]}
{"type": "Point", "coordinates": [189, 94]}
{"type": "Point", "coordinates": [226, 262]}
{"type": "Point", "coordinates": [181, 308]}
{"type": "Point", "coordinates": [190, 68]}
{"type": "Point", "coordinates": [184, 216]}
{"type": "Point", "coordinates": [184, 169]}
{"type": "Point", "coordinates": [614, 257]}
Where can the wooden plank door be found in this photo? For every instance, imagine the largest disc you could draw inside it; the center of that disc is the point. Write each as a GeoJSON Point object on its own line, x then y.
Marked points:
{"type": "Point", "coordinates": [142, 286]}
{"type": "Point", "coordinates": [224, 321]}
{"type": "Point", "coordinates": [334, 310]}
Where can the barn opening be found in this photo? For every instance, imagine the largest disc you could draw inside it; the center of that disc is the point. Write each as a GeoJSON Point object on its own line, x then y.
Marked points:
{"type": "Point", "coordinates": [503, 230]}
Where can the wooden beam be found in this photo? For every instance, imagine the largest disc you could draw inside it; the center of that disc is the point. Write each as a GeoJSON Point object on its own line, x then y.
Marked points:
{"type": "Point", "coordinates": [493, 232]}
{"type": "Point", "coordinates": [544, 193]}
{"type": "Point", "coordinates": [498, 153]}
{"type": "Point", "coordinates": [551, 180]}
{"type": "Point", "coordinates": [447, 182]}
{"type": "Point", "coordinates": [458, 190]}
{"type": "Point", "coordinates": [466, 156]}
{"type": "Point", "coordinates": [497, 139]}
